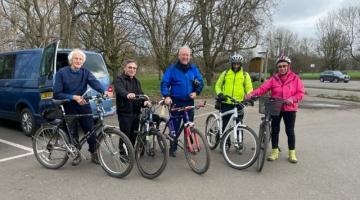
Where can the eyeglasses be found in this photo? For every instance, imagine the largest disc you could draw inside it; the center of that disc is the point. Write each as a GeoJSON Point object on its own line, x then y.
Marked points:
{"type": "Point", "coordinates": [282, 66]}
{"type": "Point", "coordinates": [134, 68]}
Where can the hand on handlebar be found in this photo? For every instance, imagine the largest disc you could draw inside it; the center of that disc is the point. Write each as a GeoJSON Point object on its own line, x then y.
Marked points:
{"type": "Point", "coordinates": [131, 96]}
{"type": "Point", "coordinates": [147, 103]}
{"type": "Point", "coordinates": [79, 100]}
{"type": "Point", "coordinates": [168, 101]}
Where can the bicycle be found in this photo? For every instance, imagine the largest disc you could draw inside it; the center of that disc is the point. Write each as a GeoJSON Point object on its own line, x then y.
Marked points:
{"type": "Point", "coordinates": [268, 106]}
{"type": "Point", "coordinates": [196, 150]}
{"type": "Point", "coordinates": [151, 150]}
{"type": "Point", "coordinates": [243, 149]}
{"type": "Point", "coordinates": [53, 145]}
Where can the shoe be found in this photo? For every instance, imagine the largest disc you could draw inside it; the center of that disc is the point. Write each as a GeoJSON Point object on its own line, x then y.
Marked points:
{"type": "Point", "coordinates": [292, 156]}
{"type": "Point", "coordinates": [274, 155]}
{"type": "Point", "coordinates": [172, 154]}
{"type": "Point", "coordinates": [95, 158]}
{"type": "Point", "coordinates": [76, 161]}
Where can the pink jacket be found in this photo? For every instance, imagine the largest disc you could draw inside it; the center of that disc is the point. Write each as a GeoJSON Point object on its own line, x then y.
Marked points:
{"type": "Point", "coordinates": [292, 90]}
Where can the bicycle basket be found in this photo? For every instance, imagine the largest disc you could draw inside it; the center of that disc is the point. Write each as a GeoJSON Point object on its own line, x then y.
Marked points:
{"type": "Point", "coordinates": [52, 114]}
{"type": "Point", "coordinates": [270, 106]}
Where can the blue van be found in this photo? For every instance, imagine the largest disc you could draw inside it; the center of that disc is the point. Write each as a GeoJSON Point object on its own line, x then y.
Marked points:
{"type": "Point", "coordinates": [27, 76]}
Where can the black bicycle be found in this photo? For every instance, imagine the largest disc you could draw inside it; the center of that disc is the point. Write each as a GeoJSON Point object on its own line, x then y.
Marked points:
{"type": "Point", "coordinates": [151, 150]}
{"type": "Point", "coordinates": [53, 145]}
{"type": "Point", "coordinates": [268, 106]}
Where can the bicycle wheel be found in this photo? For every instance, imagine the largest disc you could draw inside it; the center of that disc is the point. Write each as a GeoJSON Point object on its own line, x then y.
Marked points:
{"type": "Point", "coordinates": [49, 147]}
{"type": "Point", "coordinates": [212, 131]}
{"type": "Point", "coordinates": [264, 137]}
{"type": "Point", "coordinates": [197, 152]}
{"type": "Point", "coordinates": [116, 154]}
{"type": "Point", "coordinates": [151, 153]}
{"type": "Point", "coordinates": [243, 149]}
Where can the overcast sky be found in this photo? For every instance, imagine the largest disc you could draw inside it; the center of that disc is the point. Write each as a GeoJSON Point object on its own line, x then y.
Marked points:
{"type": "Point", "coordinates": [300, 16]}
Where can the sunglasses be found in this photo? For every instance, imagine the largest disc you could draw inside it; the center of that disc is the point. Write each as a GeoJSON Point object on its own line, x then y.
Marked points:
{"type": "Point", "coordinates": [134, 68]}
{"type": "Point", "coordinates": [282, 66]}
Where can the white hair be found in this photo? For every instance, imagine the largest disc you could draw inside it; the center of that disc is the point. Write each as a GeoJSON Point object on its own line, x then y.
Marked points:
{"type": "Point", "coordinates": [184, 47]}
{"type": "Point", "coordinates": [76, 51]}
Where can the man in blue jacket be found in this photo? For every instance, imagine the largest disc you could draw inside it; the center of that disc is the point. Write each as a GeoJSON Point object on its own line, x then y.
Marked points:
{"type": "Point", "coordinates": [180, 85]}
{"type": "Point", "coordinates": [70, 83]}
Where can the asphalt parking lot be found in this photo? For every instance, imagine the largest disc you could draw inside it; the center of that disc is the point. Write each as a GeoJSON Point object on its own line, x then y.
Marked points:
{"type": "Point", "coordinates": [327, 146]}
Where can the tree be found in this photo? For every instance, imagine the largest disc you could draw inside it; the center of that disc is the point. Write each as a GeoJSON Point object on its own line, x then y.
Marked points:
{"type": "Point", "coordinates": [108, 32]}
{"type": "Point", "coordinates": [70, 12]}
{"type": "Point", "coordinates": [33, 20]}
{"type": "Point", "coordinates": [166, 25]}
{"type": "Point", "coordinates": [228, 26]}
{"type": "Point", "coordinates": [349, 19]}
{"type": "Point", "coordinates": [332, 41]}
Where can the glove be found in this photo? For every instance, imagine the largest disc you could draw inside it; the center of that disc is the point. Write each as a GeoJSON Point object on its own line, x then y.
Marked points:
{"type": "Point", "coordinates": [221, 97]}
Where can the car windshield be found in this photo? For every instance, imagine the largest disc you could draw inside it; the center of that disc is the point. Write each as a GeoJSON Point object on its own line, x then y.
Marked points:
{"type": "Point", "coordinates": [338, 73]}
{"type": "Point", "coordinates": [95, 63]}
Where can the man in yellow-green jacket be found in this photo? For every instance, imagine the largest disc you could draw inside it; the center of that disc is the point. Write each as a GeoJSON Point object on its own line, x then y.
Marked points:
{"type": "Point", "coordinates": [234, 82]}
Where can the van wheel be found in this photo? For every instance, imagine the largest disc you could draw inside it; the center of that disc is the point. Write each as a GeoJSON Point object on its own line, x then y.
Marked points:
{"type": "Point", "coordinates": [27, 122]}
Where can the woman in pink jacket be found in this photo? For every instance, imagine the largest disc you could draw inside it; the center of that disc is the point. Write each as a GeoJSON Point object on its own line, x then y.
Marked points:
{"type": "Point", "coordinates": [284, 85]}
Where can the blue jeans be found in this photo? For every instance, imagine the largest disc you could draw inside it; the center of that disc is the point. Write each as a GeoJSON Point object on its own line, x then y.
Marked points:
{"type": "Point", "coordinates": [178, 117]}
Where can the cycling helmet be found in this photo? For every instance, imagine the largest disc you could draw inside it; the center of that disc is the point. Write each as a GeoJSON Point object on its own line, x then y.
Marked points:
{"type": "Point", "coordinates": [236, 58]}
{"type": "Point", "coordinates": [283, 58]}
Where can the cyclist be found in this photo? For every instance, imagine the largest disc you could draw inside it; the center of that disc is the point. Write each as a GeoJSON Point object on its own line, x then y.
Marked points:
{"type": "Point", "coordinates": [127, 86]}
{"type": "Point", "coordinates": [70, 83]}
{"type": "Point", "coordinates": [285, 85]}
{"type": "Point", "coordinates": [180, 85]}
{"type": "Point", "coordinates": [234, 82]}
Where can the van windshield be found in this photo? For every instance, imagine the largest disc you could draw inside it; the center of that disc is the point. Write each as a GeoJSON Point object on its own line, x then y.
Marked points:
{"type": "Point", "coordinates": [95, 63]}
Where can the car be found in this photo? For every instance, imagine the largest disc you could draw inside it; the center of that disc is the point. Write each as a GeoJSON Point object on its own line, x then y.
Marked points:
{"type": "Point", "coordinates": [334, 76]}
{"type": "Point", "coordinates": [255, 76]}
{"type": "Point", "coordinates": [27, 78]}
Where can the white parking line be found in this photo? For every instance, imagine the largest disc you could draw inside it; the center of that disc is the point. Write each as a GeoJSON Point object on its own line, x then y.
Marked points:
{"type": "Point", "coordinates": [17, 146]}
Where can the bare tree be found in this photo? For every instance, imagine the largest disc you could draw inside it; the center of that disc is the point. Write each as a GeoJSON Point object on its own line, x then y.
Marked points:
{"type": "Point", "coordinates": [349, 19]}
{"type": "Point", "coordinates": [70, 12]}
{"type": "Point", "coordinates": [166, 25]}
{"type": "Point", "coordinates": [332, 41]}
{"type": "Point", "coordinates": [108, 32]}
{"type": "Point", "coordinates": [228, 26]}
{"type": "Point", "coordinates": [33, 20]}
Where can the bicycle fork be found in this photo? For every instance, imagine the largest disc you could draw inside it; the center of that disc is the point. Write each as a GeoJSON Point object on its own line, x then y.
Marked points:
{"type": "Point", "coordinates": [191, 139]}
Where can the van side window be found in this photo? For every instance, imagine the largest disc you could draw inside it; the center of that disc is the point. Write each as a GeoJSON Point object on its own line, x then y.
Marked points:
{"type": "Point", "coordinates": [7, 63]}
{"type": "Point", "coordinates": [47, 65]}
{"type": "Point", "coordinates": [27, 66]}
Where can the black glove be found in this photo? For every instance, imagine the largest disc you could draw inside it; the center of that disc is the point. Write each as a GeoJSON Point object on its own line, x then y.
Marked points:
{"type": "Point", "coordinates": [221, 97]}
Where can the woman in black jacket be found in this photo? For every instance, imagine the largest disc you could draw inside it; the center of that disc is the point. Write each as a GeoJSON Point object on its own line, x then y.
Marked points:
{"type": "Point", "coordinates": [127, 107]}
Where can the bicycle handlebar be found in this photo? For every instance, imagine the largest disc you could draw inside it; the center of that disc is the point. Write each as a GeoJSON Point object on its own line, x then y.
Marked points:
{"type": "Point", "coordinates": [186, 108]}
{"type": "Point", "coordinates": [245, 102]}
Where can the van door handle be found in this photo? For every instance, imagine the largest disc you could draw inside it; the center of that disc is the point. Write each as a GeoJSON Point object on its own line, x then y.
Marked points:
{"type": "Point", "coordinates": [7, 84]}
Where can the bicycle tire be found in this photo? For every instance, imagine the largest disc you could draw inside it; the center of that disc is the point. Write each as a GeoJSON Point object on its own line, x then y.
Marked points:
{"type": "Point", "coordinates": [264, 134]}
{"type": "Point", "coordinates": [151, 153]}
{"type": "Point", "coordinates": [203, 148]}
{"type": "Point", "coordinates": [111, 144]}
{"type": "Point", "coordinates": [212, 130]}
{"type": "Point", "coordinates": [53, 140]}
{"type": "Point", "coordinates": [244, 154]}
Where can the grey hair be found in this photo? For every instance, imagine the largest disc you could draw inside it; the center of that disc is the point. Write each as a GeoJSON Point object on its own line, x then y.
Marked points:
{"type": "Point", "coordinates": [185, 47]}
{"type": "Point", "coordinates": [71, 54]}
{"type": "Point", "coordinates": [124, 64]}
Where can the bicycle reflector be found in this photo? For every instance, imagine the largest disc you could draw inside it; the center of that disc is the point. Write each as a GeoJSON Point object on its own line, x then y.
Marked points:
{"type": "Point", "coordinates": [110, 89]}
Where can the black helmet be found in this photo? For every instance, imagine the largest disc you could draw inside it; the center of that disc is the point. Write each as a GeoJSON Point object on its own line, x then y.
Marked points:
{"type": "Point", "coordinates": [283, 58]}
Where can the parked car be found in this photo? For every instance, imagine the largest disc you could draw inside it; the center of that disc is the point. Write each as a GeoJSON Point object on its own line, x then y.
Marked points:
{"type": "Point", "coordinates": [334, 76]}
{"type": "Point", "coordinates": [256, 76]}
{"type": "Point", "coordinates": [27, 76]}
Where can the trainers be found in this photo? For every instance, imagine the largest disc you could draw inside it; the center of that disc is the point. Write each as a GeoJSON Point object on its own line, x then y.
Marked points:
{"type": "Point", "coordinates": [95, 158]}
{"type": "Point", "coordinates": [172, 154]}
{"type": "Point", "coordinates": [292, 156]}
{"type": "Point", "coordinates": [274, 155]}
{"type": "Point", "coordinates": [76, 160]}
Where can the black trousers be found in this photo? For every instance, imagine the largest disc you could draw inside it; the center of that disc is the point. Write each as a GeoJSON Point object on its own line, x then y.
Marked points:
{"type": "Point", "coordinates": [128, 124]}
{"type": "Point", "coordinates": [289, 120]}
{"type": "Point", "coordinates": [86, 123]}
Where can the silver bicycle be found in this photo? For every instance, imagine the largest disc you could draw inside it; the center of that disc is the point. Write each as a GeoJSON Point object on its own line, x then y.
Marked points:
{"type": "Point", "coordinates": [239, 143]}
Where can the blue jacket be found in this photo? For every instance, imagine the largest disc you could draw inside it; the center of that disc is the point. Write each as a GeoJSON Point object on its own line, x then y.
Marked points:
{"type": "Point", "coordinates": [69, 83]}
{"type": "Point", "coordinates": [178, 82]}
